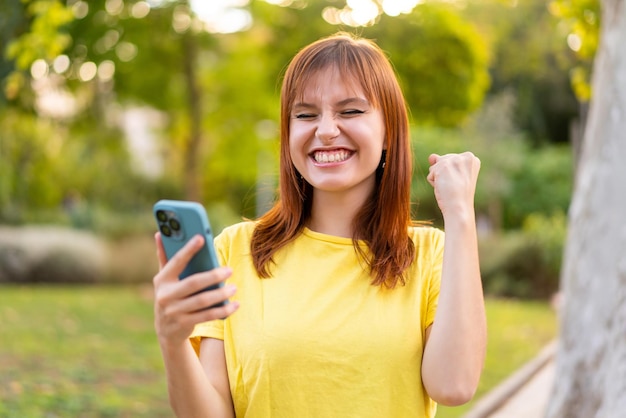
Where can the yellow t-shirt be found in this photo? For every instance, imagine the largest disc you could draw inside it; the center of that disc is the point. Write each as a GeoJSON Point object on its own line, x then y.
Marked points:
{"type": "Point", "coordinates": [317, 339]}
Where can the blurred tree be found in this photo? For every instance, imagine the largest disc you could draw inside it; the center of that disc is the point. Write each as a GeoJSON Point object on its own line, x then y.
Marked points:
{"type": "Point", "coordinates": [580, 20]}
{"type": "Point", "coordinates": [581, 23]}
{"type": "Point", "coordinates": [131, 54]}
{"type": "Point", "coordinates": [441, 59]}
{"type": "Point", "coordinates": [533, 60]}
{"type": "Point", "coordinates": [31, 31]}
{"type": "Point", "coordinates": [591, 359]}
{"type": "Point", "coordinates": [218, 93]}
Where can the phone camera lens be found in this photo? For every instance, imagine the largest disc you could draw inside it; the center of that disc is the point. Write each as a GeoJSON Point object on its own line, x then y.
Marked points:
{"type": "Point", "coordinates": [174, 224]}
{"type": "Point", "coordinates": [165, 230]}
{"type": "Point", "coordinates": [161, 215]}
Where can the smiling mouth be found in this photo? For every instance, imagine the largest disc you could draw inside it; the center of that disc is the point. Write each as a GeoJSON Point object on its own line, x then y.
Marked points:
{"type": "Point", "coordinates": [335, 156]}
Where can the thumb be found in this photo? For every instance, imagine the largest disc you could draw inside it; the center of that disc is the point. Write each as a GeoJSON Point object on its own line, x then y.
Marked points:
{"type": "Point", "coordinates": [433, 158]}
{"type": "Point", "coordinates": [160, 251]}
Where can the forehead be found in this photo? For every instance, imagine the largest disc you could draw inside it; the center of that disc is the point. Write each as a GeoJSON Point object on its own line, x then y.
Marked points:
{"type": "Point", "coordinates": [330, 81]}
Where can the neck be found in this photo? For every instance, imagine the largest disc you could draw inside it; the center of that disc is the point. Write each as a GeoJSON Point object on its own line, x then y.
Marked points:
{"type": "Point", "coordinates": [333, 213]}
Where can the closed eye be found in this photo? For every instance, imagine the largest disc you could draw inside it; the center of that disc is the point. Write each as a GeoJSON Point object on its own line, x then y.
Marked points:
{"type": "Point", "coordinates": [352, 112]}
{"type": "Point", "coordinates": [304, 115]}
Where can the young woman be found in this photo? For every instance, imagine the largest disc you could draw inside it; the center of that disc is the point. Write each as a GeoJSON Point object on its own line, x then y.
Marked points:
{"type": "Point", "coordinates": [343, 307]}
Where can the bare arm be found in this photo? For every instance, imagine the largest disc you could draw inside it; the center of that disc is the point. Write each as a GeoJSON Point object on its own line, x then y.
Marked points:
{"type": "Point", "coordinates": [456, 342]}
{"type": "Point", "coordinates": [194, 390]}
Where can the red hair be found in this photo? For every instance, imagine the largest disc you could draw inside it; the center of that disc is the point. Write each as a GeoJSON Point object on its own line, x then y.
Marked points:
{"type": "Point", "coordinates": [384, 219]}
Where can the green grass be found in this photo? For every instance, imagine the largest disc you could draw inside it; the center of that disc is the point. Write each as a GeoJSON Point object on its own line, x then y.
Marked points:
{"type": "Point", "coordinates": [79, 352]}
{"type": "Point", "coordinates": [92, 352]}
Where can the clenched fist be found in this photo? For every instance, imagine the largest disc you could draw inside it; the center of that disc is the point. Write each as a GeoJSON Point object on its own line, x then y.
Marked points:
{"type": "Point", "coordinates": [454, 176]}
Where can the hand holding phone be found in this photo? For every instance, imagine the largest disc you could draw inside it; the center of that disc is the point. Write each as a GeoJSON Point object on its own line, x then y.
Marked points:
{"type": "Point", "coordinates": [179, 221]}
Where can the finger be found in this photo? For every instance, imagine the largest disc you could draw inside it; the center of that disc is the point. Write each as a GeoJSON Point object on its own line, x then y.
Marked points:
{"type": "Point", "coordinates": [159, 250]}
{"type": "Point", "coordinates": [205, 299]}
{"type": "Point", "coordinates": [431, 170]}
{"type": "Point", "coordinates": [181, 297]}
{"type": "Point", "coordinates": [431, 178]}
{"type": "Point", "coordinates": [433, 158]}
{"type": "Point", "coordinates": [199, 281]}
{"type": "Point", "coordinates": [179, 261]}
{"type": "Point", "coordinates": [219, 312]}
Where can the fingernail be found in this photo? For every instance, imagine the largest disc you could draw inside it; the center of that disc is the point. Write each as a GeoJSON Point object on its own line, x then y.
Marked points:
{"type": "Point", "coordinates": [231, 289]}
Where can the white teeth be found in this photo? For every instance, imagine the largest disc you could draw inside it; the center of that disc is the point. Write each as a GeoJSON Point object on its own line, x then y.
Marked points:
{"type": "Point", "coordinates": [331, 157]}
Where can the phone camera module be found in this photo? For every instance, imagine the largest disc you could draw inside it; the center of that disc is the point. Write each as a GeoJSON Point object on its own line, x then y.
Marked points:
{"type": "Point", "coordinates": [169, 224]}
{"type": "Point", "coordinates": [165, 230]}
{"type": "Point", "coordinates": [175, 225]}
{"type": "Point", "coordinates": [161, 215]}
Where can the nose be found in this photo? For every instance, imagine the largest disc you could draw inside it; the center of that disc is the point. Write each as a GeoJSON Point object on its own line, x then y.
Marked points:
{"type": "Point", "coordinates": [327, 128]}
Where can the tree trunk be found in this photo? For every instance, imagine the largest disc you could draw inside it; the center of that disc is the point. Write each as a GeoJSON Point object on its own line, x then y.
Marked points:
{"type": "Point", "coordinates": [591, 360]}
{"type": "Point", "coordinates": [191, 175]}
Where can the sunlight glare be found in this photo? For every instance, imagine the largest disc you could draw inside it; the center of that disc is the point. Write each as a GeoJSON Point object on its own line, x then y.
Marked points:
{"type": "Point", "coordinates": [61, 64]}
{"type": "Point", "coordinates": [39, 69]}
{"type": "Point", "coordinates": [87, 71]}
{"type": "Point", "coordinates": [140, 9]}
{"type": "Point", "coordinates": [574, 42]}
{"type": "Point", "coordinates": [281, 3]}
{"type": "Point", "coordinates": [223, 16]}
{"type": "Point", "coordinates": [396, 7]}
{"type": "Point", "coordinates": [363, 11]}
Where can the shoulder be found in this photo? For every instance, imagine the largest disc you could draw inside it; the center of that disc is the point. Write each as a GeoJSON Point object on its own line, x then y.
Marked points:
{"type": "Point", "coordinates": [427, 238]}
{"type": "Point", "coordinates": [236, 233]}
{"type": "Point", "coordinates": [425, 232]}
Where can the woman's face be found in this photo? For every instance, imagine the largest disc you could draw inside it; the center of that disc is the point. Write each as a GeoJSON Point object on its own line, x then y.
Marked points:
{"type": "Point", "coordinates": [336, 136]}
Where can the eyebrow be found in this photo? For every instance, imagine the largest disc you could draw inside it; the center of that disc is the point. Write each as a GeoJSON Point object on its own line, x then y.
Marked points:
{"type": "Point", "coordinates": [349, 100]}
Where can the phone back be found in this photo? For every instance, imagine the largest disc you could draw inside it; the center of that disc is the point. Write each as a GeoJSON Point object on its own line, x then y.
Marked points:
{"type": "Point", "coordinates": [180, 221]}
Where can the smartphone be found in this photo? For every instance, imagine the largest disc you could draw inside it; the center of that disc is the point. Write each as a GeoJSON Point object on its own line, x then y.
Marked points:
{"type": "Point", "coordinates": [179, 221]}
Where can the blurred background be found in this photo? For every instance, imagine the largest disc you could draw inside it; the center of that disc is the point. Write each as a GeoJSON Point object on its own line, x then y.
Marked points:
{"type": "Point", "coordinates": [108, 106]}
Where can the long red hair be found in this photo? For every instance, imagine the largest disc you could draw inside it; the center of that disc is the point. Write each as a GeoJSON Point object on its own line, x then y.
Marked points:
{"type": "Point", "coordinates": [384, 219]}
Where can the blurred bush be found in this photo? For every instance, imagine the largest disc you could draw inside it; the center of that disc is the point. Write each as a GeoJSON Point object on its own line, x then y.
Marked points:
{"type": "Point", "coordinates": [515, 181]}
{"type": "Point", "coordinates": [50, 255]}
{"type": "Point", "coordinates": [56, 255]}
{"type": "Point", "coordinates": [524, 263]}
{"type": "Point", "coordinates": [492, 136]}
{"type": "Point", "coordinates": [543, 184]}
{"type": "Point", "coordinates": [119, 249]}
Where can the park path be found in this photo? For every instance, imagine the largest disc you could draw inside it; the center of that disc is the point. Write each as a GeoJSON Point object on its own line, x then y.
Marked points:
{"type": "Point", "coordinates": [524, 394]}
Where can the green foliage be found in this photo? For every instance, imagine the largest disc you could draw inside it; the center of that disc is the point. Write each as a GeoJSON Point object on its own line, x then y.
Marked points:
{"type": "Point", "coordinates": [441, 60]}
{"type": "Point", "coordinates": [46, 166]}
{"type": "Point", "coordinates": [581, 19]}
{"type": "Point", "coordinates": [242, 133]}
{"type": "Point", "coordinates": [44, 40]}
{"type": "Point", "coordinates": [492, 136]}
{"type": "Point", "coordinates": [77, 170]}
{"type": "Point", "coordinates": [28, 147]}
{"type": "Point", "coordinates": [525, 263]}
{"type": "Point", "coordinates": [542, 184]}
{"type": "Point", "coordinates": [548, 232]}
{"type": "Point", "coordinates": [533, 61]}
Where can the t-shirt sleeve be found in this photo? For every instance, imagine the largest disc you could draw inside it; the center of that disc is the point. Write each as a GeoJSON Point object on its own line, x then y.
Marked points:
{"type": "Point", "coordinates": [211, 329]}
{"type": "Point", "coordinates": [437, 244]}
